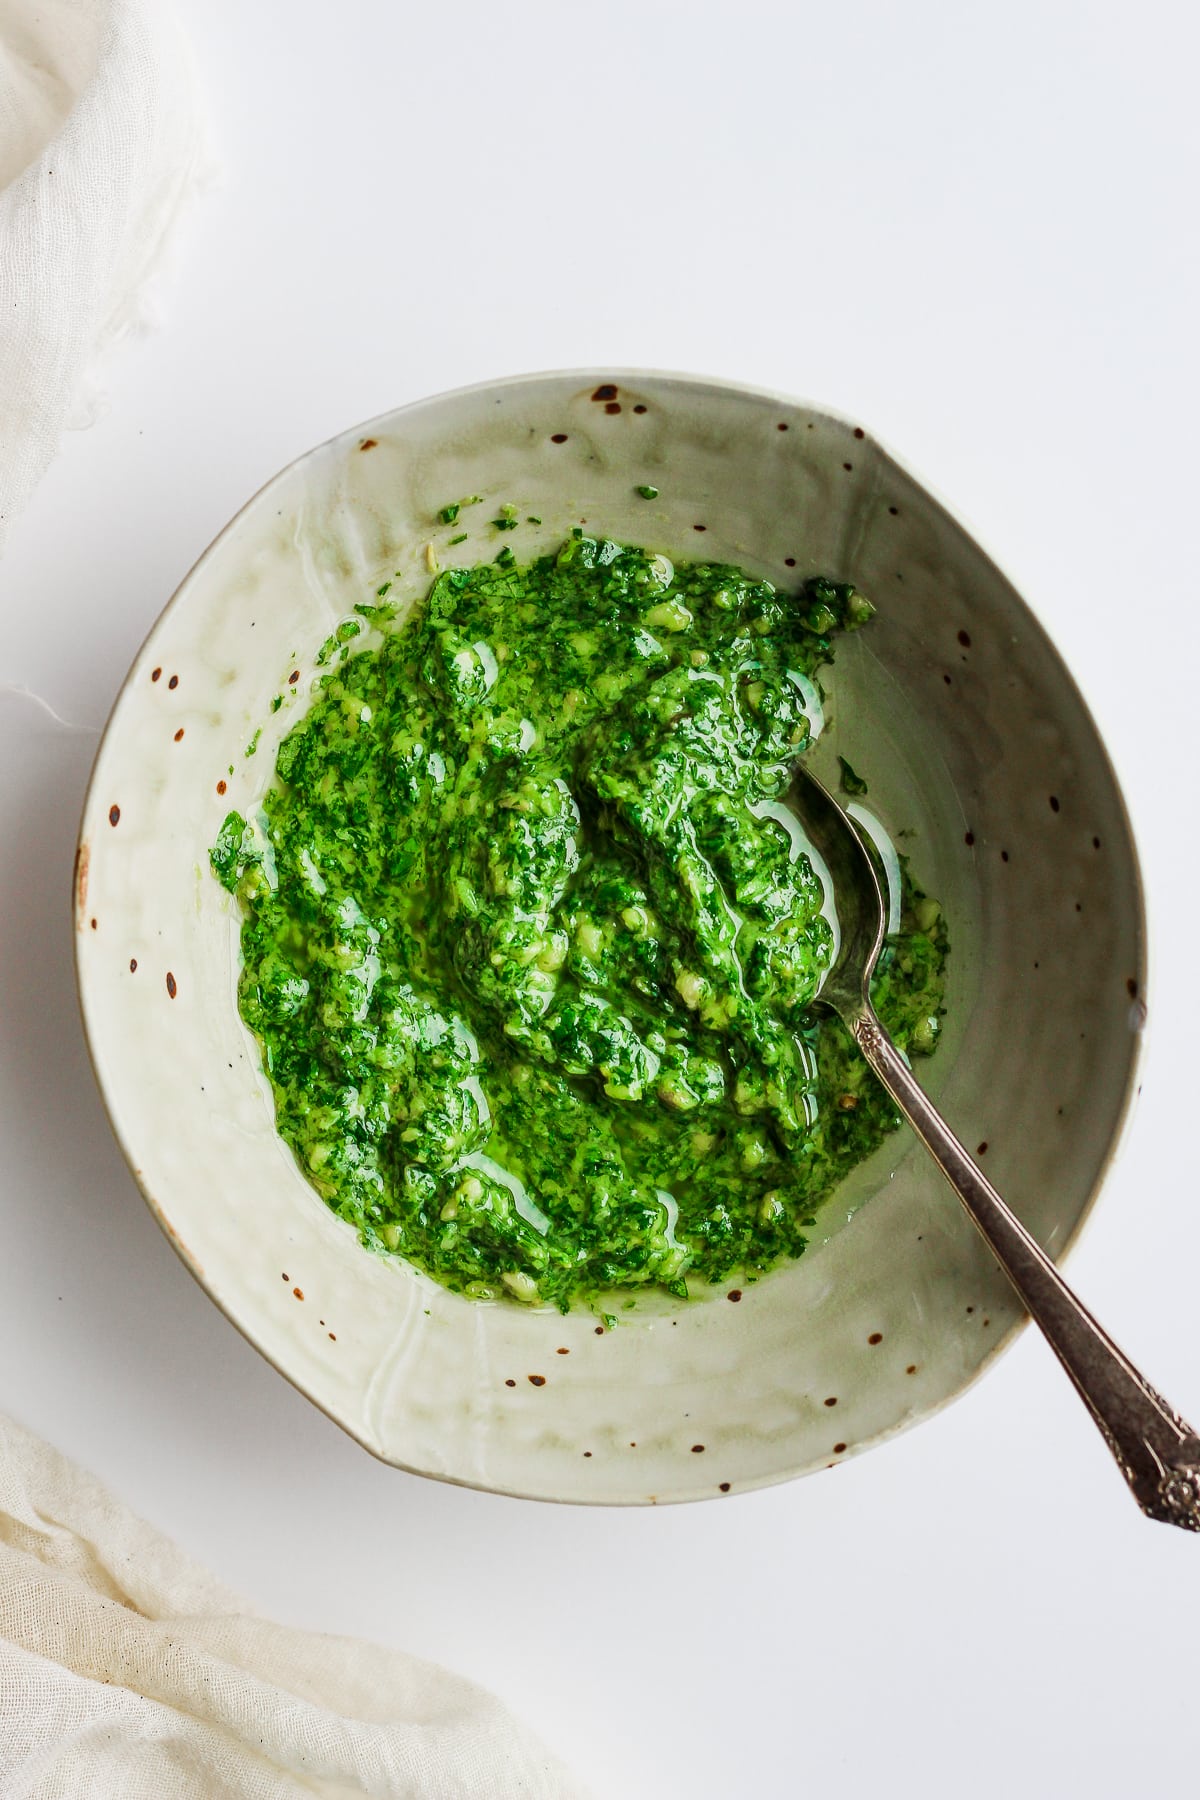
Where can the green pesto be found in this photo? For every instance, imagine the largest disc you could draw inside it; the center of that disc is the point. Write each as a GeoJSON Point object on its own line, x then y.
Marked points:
{"type": "Point", "coordinates": [529, 949]}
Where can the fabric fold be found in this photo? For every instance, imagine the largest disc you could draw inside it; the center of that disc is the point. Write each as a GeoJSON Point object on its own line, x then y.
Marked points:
{"type": "Point", "coordinates": [100, 143]}
{"type": "Point", "coordinates": [127, 1672]}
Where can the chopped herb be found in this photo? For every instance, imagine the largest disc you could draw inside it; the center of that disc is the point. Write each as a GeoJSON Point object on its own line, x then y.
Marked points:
{"type": "Point", "coordinates": [858, 610]}
{"type": "Point", "coordinates": [460, 539]}
{"type": "Point", "coordinates": [383, 588]}
{"type": "Point", "coordinates": [851, 782]}
{"type": "Point", "coordinates": [376, 615]}
{"type": "Point", "coordinates": [647, 492]}
{"type": "Point", "coordinates": [503, 524]}
{"type": "Point", "coordinates": [448, 514]}
{"type": "Point", "coordinates": [233, 851]}
{"type": "Point", "coordinates": [252, 746]}
{"type": "Point", "coordinates": [532, 519]}
{"type": "Point", "coordinates": [276, 703]}
{"type": "Point", "coordinates": [506, 559]}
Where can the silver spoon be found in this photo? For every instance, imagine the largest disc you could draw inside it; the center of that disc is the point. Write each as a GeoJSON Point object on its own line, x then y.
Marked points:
{"type": "Point", "coordinates": [1158, 1454]}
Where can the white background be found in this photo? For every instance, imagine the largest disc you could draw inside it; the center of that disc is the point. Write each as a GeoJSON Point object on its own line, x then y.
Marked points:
{"type": "Point", "coordinates": [973, 228]}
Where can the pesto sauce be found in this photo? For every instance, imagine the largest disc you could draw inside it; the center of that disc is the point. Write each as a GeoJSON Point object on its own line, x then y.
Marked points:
{"type": "Point", "coordinates": [529, 954]}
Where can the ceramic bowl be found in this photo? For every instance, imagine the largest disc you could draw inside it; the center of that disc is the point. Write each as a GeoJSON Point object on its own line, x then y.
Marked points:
{"type": "Point", "coordinates": [983, 762]}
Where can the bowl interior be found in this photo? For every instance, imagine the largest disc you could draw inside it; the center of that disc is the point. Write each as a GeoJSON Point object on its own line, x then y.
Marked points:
{"type": "Point", "coordinates": [983, 763]}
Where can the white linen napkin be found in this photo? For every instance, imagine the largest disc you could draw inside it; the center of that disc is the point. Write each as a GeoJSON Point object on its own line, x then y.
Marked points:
{"type": "Point", "coordinates": [100, 143]}
{"type": "Point", "coordinates": [128, 1673]}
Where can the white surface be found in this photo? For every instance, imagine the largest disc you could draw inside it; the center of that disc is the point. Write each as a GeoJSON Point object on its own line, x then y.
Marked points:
{"type": "Point", "coordinates": [976, 232]}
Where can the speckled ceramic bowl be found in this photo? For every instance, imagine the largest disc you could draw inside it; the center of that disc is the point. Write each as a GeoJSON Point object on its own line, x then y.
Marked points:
{"type": "Point", "coordinates": [983, 760]}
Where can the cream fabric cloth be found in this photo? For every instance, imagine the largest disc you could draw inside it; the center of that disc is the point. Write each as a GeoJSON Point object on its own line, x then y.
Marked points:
{"type": "Point", "coordinates": [99, 145]}
{"type": "Point", "coordinates": [128, 1673]}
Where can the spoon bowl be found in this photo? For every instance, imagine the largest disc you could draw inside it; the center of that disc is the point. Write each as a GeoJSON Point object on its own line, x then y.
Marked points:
{"type": "Point", "coordinates": [861, 908]}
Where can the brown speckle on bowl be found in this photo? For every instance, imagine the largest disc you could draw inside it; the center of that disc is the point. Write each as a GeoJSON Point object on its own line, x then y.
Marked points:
{"type": "Point", "coordinates": [155, 674]}
{"type": "Point", "coordinates": [1054, 803]}
{"type": "Point", "coordinates": [969, 839]}
{"type": "Point", "coordinates": [172, 985]}
{"type": "Point", "coordinates": [614, 406]}
{"type": "Point", "coordinates": [697, 1449]}
{"type": "Point", "coordinates": [299, 1293]}
{"type": "Point", "coordinates": [293, 678]}
{"type": "Point", "coordinates": [114, 815]}
{"type": "Point", "coordinates": [782, 427]}
{"type": "Point", "coordinates": [1004, 856]}
{"type": "Point", "coordinates": [510, 1382]}
{"type": "Point", "coordinates": [911, 1369]}
{"type": "Point", "coordinates": [859, 432]}
{"type": "Point", "coordinates": [849, 468]}
{"type": "Point", "coordinates": [639, 408]}
{"type": "Point", "coordinates": [893, 510]}
{"type": "Point", "coordinates": [93, 924]}
{"type": "Point", "coordinates": [588, 1452]}
{"type": "Point", "coordinates": [789, 562]}
{"type": "Point", "coordinates": [133, 965]}
{"type": "Point", "coordinates": [876, 1337]}
{"type": "Point", "coordinates": [832, 1400]}
{"type": "Point", "coordinates": [558, 437]}
{"type": "Point", "coordinates": [606, 391]}
{"type": "Point", "coordinates": [599, 1331]}
{"type": "Point", "coordinates": [1095, 843]}
{"type": "Point", "coordinates": [562, 1351]}
{"type": "Point", "coordinates": [838, 1449]}
{"type": "Point", "coordinates": [734, 1294]}
{"type": "Point", "coordinates": [1131, 988]}
{"type": "Point", "coordinates": [174, 682]}
{"type": "Point", "coordinates": [368, 444]}
{"type": "Point", "coordinates": [724, 1485]}
{"type": "Point", "coordinates": [699, 527]}
{"type": "Point", "coordinates": [537, 1381]}
{"type": "Point", "coordinates": [964, 639]}
{"type": "Point", "coordinates": [179, 734]}
{"type": "Point", "coordinates": [220, 787]}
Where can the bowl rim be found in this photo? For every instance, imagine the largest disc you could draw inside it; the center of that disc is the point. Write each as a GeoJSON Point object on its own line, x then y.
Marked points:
{"type": "Point", "coordinates": [714, 384]}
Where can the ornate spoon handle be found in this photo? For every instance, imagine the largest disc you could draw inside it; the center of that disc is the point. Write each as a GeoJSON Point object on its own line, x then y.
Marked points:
{"type": "Point", "coordinates": [1158, 1454]}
